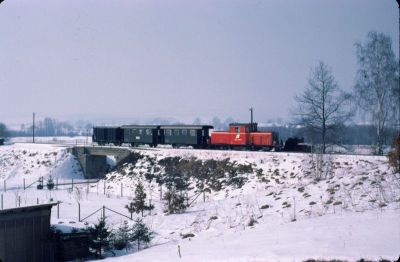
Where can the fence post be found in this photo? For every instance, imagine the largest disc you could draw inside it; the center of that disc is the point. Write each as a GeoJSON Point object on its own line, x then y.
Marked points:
{"type": "Point", "coordinates": [72, 184]}
{"type": "Point", "coordinates": [87, 189]}
{"type": "Point", "coordinates": [104, 187]}
{"type": "Point", "coordinates": [37, 201]}
{"type": "Point", "coordinates": [5, 186]}
{"type": "Point", "coordinates": [58, 209]}
{"type": "Point", "coordinates": [19, 201]}
{"type": "Point", "coordinates": [24, 183]}
{"type": "Point", "coordinates": [1, 201]}
{"type": "Point", "coordinates": [121, 190]}
{"type": "Point", "coordinates": [104, 212]}
{"type": "Point", "coordinates": [79, 212]}
{"type": "Point", "coordinates": [57, 183]}
{"type": "Point", "coordinates": [150, 206]}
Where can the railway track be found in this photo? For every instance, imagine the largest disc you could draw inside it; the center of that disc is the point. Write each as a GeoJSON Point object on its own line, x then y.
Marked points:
{"type": "Point", "coordinates": [146, 148]}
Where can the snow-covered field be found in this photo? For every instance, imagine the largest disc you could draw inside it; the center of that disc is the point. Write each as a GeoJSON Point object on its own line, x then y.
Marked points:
{"type": "Point", "coordinates": [351, 210]}
{"type": "Point", "coordinates": [64, 140]}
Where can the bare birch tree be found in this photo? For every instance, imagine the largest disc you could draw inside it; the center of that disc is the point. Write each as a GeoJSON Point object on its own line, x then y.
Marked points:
{"type": "Point", "coordinates": [323, 107]}
{"type": "Point", "coordinates": [376, 82]}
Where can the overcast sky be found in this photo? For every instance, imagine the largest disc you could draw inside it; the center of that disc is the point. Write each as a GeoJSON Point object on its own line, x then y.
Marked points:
{"type": "Point", "coordinates": [182, 59]}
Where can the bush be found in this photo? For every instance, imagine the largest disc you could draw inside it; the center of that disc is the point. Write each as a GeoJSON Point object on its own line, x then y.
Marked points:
{"type": "Point", "coordinates": [174, 201]}
{"type": "Point", "coordinates": [40, 183]}
{"type": "Point", "coordinates": [50, 183]}
{"type": "Point", "coordinates": [141, 233]}
{"type": "Point", "coordinates": [122, 236]}
{"type": "Point", "coordinates": [99, 237]}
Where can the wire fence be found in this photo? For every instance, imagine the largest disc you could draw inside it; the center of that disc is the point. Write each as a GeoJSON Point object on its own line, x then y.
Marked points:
{"type": "Point", "coordinates": [81, 200]}
{"type": "Point", "coordinates": [75, 198]}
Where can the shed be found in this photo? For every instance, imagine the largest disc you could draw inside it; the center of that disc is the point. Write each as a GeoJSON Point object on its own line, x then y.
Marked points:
{"type": "Point", "coordinates": [25, 234]}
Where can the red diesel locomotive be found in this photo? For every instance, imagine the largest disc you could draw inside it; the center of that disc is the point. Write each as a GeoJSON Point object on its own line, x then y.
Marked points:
{"type": "Point", "coordinates": [244, 135]}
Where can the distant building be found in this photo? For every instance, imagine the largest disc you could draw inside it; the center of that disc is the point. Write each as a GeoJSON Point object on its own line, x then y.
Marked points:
{"type": "Point", "coordinates": [25, 234]}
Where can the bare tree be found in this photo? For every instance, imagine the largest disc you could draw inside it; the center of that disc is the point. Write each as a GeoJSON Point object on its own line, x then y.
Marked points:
{"type": "Point", "coordinates": [323, 107]}
{"type": "Point", "coordinates": [376, 82]}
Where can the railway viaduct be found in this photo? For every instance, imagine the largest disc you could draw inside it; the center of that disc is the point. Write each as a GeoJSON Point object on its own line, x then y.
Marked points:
{"type": "Point", "coordinates": [93, 159]}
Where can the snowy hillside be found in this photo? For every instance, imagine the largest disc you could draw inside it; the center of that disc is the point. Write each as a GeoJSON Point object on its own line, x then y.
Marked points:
{"type": "Point", "coordinates": [288, 207]}
{"type": "Point", "coordinates": [29, 161]}
{"type": "Point", "coordinates": [283, 211]}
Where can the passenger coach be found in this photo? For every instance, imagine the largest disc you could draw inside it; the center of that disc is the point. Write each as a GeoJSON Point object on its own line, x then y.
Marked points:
{"type": "Point", "coordinates": [107, 135]}
{"type": "Point", "coordinates": [141, 135]}
{"type": "Point", "coordinates": [196, 136]}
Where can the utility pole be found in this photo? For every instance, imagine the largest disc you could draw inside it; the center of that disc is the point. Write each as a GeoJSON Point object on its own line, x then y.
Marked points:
{"type": "Point", "coordinates": [33, 128]}
{"type": "Point", "coordinates": [252, 129]}
{"type": "Point", "coordinates": [251, 113]}
{"type": "Point", "coordinates": [398, 121]}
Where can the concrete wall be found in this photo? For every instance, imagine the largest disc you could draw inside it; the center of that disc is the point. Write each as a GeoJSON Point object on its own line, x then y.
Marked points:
{"type": "Point", "coordinates": [25, 234]}
{"type": "Point", "coordinates": [93, 166]}
{"type": "Point", "coordinates": [93, 160]}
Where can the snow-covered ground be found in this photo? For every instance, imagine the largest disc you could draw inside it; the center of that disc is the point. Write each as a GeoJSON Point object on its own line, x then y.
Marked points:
{"type": "Point", "coordinates": [351, 211]}
{"type": "Point", "coordinates": [64, 140]}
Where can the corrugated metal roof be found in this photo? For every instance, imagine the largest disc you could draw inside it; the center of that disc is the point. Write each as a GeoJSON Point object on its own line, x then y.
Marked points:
{"type": "Point", "coordinates": [27, 208]}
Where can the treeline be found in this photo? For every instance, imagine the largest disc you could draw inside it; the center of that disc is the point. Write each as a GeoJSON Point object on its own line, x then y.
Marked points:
{"type": "Point", "coordinates": [48, 127]}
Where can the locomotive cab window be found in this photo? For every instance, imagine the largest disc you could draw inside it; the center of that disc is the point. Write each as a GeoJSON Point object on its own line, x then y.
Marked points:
{"type": "Point", "coordinates": [237, 129]}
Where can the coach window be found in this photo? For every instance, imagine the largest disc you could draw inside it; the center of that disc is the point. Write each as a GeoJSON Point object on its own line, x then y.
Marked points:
{"type": "Point", "coordinates": [134, 131]}
{"type": "Point", "coordinates": [169, 132]}
{"type": "Point", "coordinates": [192, 132]}
{"type": "Point", "coordinates": [176, 132]}
{"type": "Point", "coordinates": [148, 131]}
{"type": "Point", "coordinates": [140, 131]}
{"type": "Point", "coordinates": [237, 129]}
{"type": "Point", "coordinates": [184, 132]}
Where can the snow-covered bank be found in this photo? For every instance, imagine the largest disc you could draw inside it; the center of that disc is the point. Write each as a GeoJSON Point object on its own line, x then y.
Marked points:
{"type": "Point", "coordinates": [350, 211]}
{"type": "Point", "coordinates": [284, 210]}
{"type": "Point", "coordinates": [31, 161]}
{"type": "Point", "coordinates": [347, 236]}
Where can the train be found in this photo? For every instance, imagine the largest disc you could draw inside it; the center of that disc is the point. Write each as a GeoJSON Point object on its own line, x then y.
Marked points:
{"type": "Point", "coordinates": [238, 136]}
